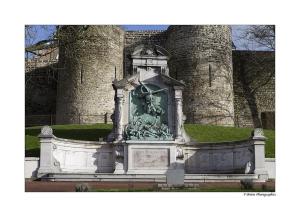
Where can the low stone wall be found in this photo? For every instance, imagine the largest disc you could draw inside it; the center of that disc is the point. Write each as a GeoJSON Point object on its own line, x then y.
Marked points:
{"type": "Point", "coordinates": [83, 156]}
{"type": "Point", "coordinates": [226, 157]}
{"type": "Point", "coordinates": [73, 156]}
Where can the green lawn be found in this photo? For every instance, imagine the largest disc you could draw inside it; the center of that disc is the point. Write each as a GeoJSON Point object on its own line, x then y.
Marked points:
{"type": "Point", "coordinates": [201, 133]}
{"type": "Point", "coordinates": [207, 133]}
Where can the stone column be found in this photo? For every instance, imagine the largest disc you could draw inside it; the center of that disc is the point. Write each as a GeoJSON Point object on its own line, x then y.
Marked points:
{"type": "Point", "coordinates": [119, 114]}
{"type": "Point", "coordinates": [178, 113]}
{"type": "Point", "coordinates": [259, 153]}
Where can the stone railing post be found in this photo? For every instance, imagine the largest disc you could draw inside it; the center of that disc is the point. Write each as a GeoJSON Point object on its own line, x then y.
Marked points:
{"type": "Point", "coordinates": [258, 139]}
{"type": "Point", "coordinates": [178, 113]}
{"type": "Point", "coordinates": [48, 164]}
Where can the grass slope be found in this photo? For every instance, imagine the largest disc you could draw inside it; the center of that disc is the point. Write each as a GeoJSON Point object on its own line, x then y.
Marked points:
{"type": "Point", "coordinates": [201, 133]}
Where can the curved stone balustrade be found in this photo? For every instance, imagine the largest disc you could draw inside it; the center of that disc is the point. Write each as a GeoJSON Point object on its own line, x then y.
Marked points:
{"type": "Point", "coordinates": [61, 156]}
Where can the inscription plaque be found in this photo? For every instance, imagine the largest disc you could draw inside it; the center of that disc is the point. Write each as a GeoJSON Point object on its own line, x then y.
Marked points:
{"type": "Point", "coordinates": [150, 158]}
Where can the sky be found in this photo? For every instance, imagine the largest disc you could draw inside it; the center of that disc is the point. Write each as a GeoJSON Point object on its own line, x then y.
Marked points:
{"type": "Point", "coordinates": [144, 27]}
{"type": "Point", "coordinates": [44, 32]}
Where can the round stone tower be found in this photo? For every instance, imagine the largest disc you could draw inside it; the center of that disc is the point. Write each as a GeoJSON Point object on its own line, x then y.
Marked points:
{"type": "Point", "coordinates": [91, 57]}
{"type": "Point", "coordinates": [201, 56]}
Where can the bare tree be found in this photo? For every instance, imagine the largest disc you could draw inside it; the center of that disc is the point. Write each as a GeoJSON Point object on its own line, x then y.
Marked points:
{"type": "Point", "coordinates": [263, 35]}
{"type": "Point", "coordinates": [40, 54]}
{"type": "Point", "coordinates": [32, 36]}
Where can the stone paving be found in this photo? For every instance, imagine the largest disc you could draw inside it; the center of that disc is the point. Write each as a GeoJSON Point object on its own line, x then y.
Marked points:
{"type": "Point", "coordinates": [40, 186]}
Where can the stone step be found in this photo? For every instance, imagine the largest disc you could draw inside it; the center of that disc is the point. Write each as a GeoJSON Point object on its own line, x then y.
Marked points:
{"type": "Point", "coordinates": [156, 178]}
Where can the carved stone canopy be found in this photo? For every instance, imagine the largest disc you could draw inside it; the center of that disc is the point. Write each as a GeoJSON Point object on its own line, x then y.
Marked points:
{"type": "Point", "coordinates": [150, 58]}
{"type": "Point", "coordinates": [148, 51]}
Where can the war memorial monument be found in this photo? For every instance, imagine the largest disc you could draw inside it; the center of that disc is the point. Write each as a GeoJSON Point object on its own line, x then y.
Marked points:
{"type": "Point", "coordinates": [148, 141]}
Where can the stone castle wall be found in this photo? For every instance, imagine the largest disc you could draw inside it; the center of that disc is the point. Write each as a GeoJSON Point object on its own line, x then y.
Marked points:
{"type": "Point", "coordinates": [40, 93]}
{"type": "Point", "coordinates": [201, 56]}
{"type": "Point", "coordinates": [92, 58]}
{"type": "Point", "coordinates": [254, 88]}
{"type": "Point", "coordinates": [40, 87]}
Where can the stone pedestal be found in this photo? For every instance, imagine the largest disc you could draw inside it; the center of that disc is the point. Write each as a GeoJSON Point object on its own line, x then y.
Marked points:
{"type": "Point", "coordinates": [119, 159]}
{"type": "Point", "coordinates": [259, 153]}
